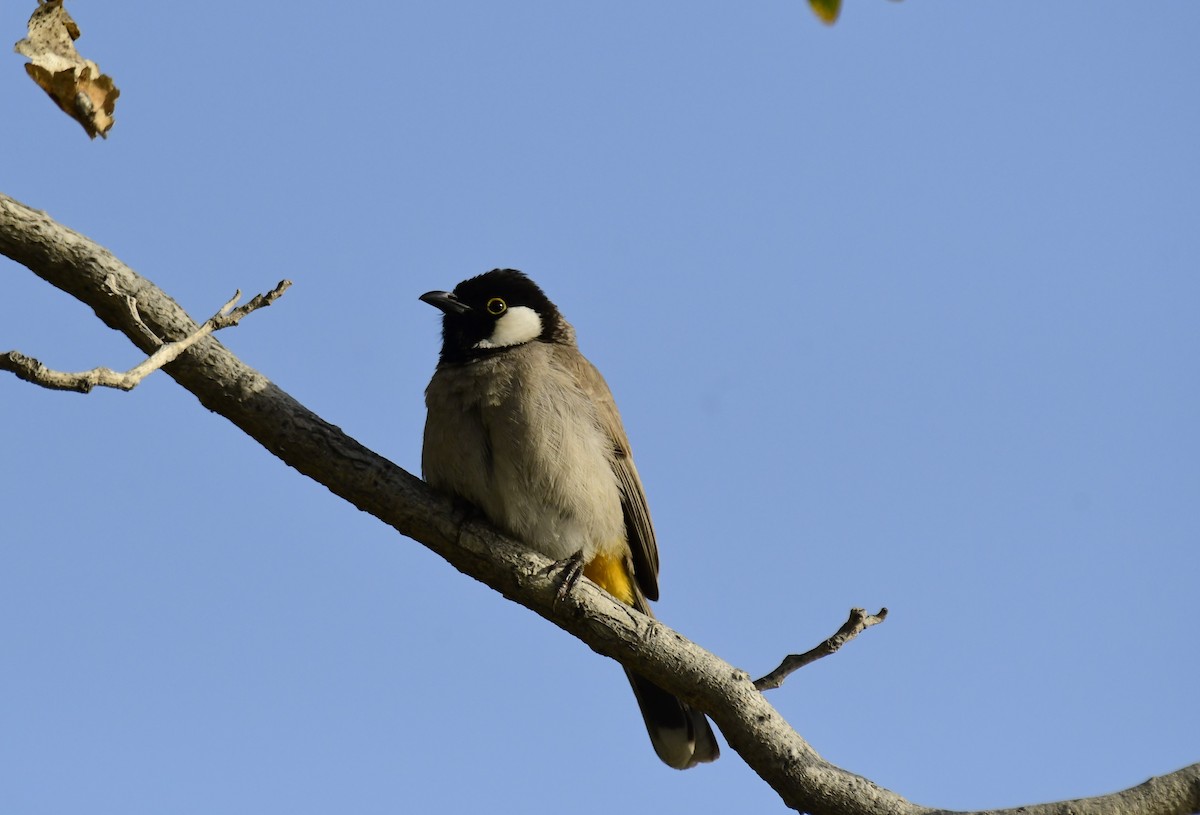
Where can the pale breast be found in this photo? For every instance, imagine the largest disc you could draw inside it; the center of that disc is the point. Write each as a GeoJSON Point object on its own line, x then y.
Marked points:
{"type": "Point", "coordinates": [515, 435]}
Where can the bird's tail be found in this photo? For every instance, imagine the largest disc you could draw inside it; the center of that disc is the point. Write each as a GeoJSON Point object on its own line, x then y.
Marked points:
{"type": "Point", "coordinates": [681, 735]}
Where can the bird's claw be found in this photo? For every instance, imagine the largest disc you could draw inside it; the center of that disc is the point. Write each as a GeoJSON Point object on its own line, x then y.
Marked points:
{"type": "Point", "coordinates": [570, 569]}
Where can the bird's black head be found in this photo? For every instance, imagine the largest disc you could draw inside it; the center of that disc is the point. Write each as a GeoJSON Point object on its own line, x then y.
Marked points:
{"type": "Point", "coordinates": [500, 309]}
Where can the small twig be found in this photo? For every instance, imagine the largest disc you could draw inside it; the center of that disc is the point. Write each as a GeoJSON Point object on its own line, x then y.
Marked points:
{"type": "Point", "coordinates": [31, 370]}
{"type": "Point", "coordinates": [131, 303]}
{"type": "Point", "coordinates": [859, 621]}
{"type": "Point", "coordinates": [229, 316]}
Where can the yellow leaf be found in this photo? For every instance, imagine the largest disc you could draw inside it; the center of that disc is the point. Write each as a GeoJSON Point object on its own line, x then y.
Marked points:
{"type": "Point", "coordinates": [75, 84]}
{"type": "Point", "coordinates": [827, 10]}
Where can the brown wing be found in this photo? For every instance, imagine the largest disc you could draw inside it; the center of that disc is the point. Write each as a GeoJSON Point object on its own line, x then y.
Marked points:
{"type": "Point", "coordinates": [638, 528]}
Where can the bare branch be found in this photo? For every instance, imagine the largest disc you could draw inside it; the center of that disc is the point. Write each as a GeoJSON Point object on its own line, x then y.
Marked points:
{"type": "Point", "coordinates": [31, 370]}
{"type": "Point", "coordinates": [230, 316]}
{"type": "Point", "coordinates": [300, 438]}
{"type": "Point", "coordinates": [858, 622]}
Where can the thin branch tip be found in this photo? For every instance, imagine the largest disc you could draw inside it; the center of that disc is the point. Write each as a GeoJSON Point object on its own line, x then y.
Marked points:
{"type": "Point", "coordinates": [230, 303]}
{"type": "Point", "coordinates": [858, 621]}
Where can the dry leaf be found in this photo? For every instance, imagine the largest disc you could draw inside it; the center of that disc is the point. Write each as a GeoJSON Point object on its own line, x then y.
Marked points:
{"type": "Point", "coordinates": [74, 83]}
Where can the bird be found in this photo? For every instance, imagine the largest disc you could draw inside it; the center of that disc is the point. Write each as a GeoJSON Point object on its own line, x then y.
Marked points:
{"type": "Point", "coordinates": [523, 427]}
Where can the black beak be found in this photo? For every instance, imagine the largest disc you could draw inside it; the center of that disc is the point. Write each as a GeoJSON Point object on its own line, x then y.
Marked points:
{"type": "Point", "coordinates": [446, 301]}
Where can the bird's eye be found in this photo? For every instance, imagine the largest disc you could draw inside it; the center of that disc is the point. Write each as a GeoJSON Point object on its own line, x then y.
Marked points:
{"type": "Point", "coordinates": [496, 306]}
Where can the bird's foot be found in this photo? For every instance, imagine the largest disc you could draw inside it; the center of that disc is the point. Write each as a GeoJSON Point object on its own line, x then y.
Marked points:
{"type": "Point", "coordinates": [569, 569]}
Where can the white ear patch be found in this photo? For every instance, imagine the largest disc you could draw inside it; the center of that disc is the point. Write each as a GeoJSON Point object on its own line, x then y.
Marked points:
{"type": "Point", "coordinates": [520, 324]}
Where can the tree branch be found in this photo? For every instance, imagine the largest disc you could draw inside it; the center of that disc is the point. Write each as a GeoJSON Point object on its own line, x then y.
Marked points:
{"type": "Point", "coordinates": [31, 370]}
{"type": "Point", "coordinates": [227, 386]}
{"type": "Point", "coordinates": [858, 622]}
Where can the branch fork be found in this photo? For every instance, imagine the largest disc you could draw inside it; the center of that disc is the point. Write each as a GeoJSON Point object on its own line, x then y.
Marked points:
{"type": "Point", "coordinates": [31, 370]}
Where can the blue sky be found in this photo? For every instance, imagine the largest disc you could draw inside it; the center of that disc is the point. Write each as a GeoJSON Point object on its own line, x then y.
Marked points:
{"type": "Point", "coordinates": [899, 313]}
